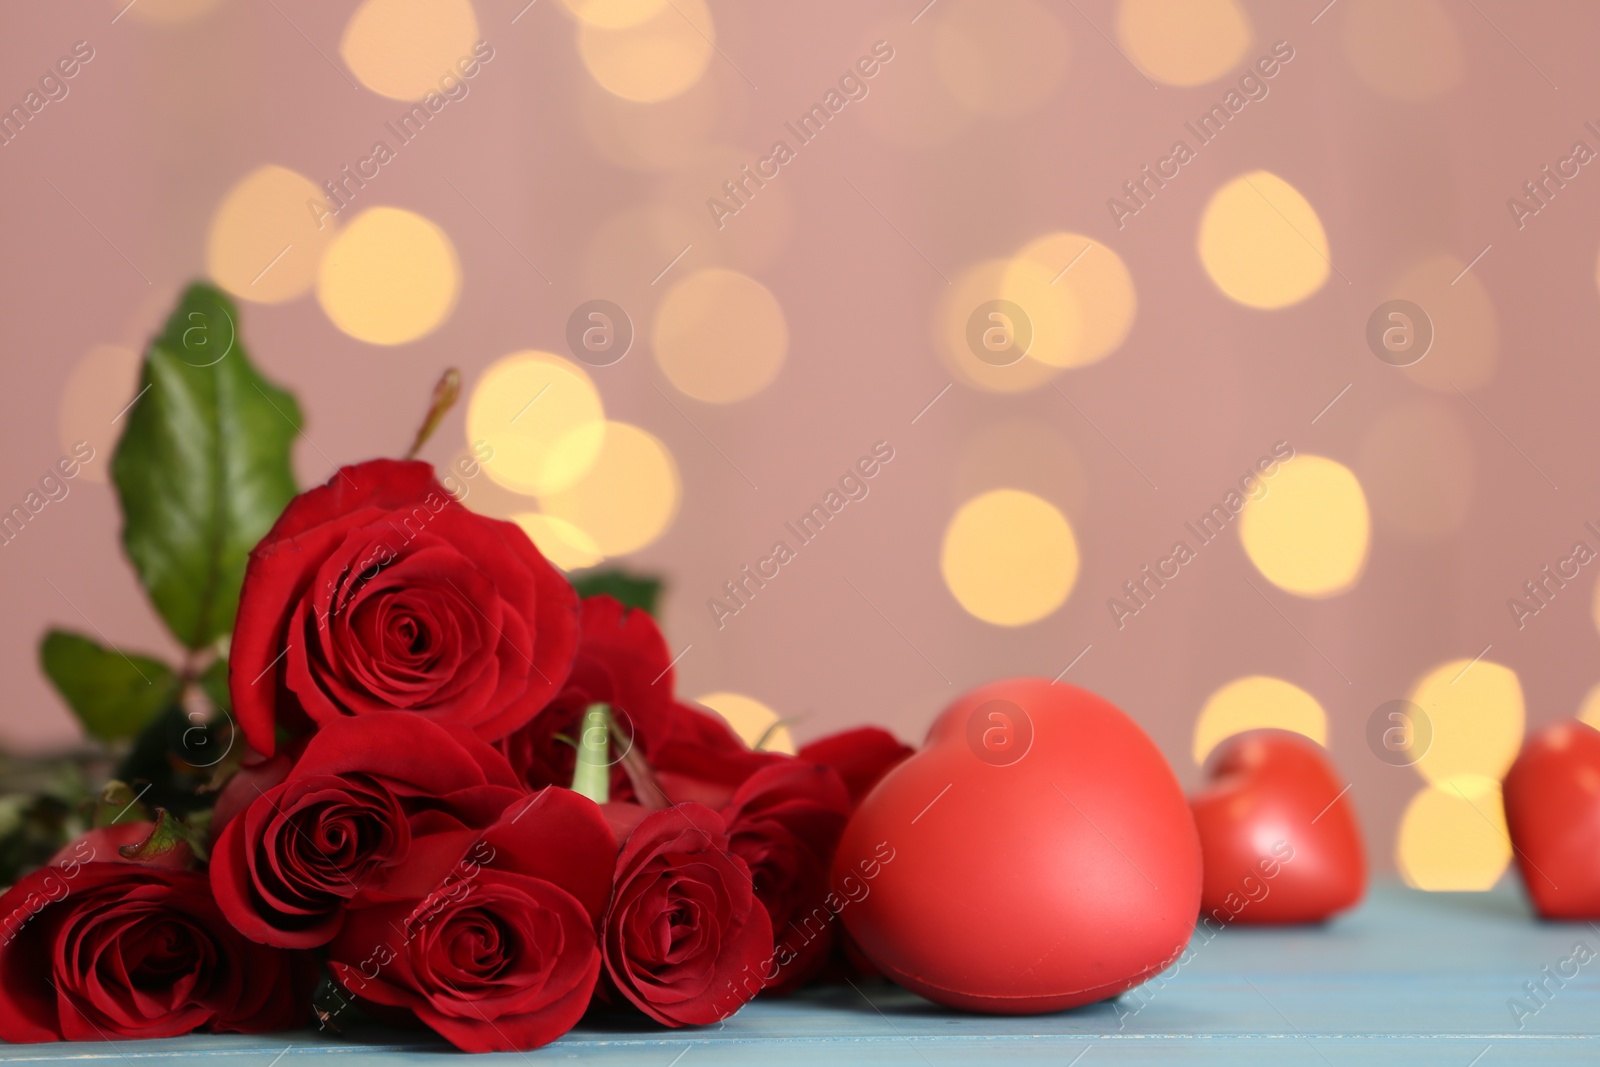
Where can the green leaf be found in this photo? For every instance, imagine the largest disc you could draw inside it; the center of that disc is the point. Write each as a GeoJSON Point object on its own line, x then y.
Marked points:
{"type": "Point", "coordinates": [113, 695]}
{"type": "Point", "coordinates": [203, 468]}
{"type": "Point", "coordinates": [634, 590]}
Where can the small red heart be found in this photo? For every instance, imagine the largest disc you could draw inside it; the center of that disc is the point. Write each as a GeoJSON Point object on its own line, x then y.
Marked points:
{"type": "Point", "coordinates": [1279, 839]}
{"type": "Point", "coordinates": [1552, 799]}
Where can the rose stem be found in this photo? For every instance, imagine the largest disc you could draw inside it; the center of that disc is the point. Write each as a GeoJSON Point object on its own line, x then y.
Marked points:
{"type": "Point", "coordinates": [591, 776]}
{"type": "Point", "coordinates": [445, 394]}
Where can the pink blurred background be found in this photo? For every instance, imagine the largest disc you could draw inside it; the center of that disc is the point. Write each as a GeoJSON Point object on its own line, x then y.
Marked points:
{"type": "Point", "coordinates": [1406, 125]}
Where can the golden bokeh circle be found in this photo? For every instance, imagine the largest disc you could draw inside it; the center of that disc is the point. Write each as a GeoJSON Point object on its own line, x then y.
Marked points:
{"type": "Point", "coordinates": [1476, 710]}
{"type": "Point", "coordinates": [614, 14]}
{"type": "Point", "coordinates": [720, 336]}
{"type": "Point", "coordinates": [559, 541]}
{"type": "Point", "coordinates": [1253, 703]}
{"type": "Point", "coordinates": [628, 498]}
{"type": "Point", "coordinates": [1009, 557]}
{"type": "Point", "coordinates": [268, 234]}
{"type": "Point", "coordinates": [407, 49]}
{"type": "Point", "coordinates": [751, 720]}
{"type": "Point", "coordinates": [653, 59]}
{"type": "Point", "coordinates": [1262, 243]}
{"type": "Point", "coordinates": [1104, 301]}
{"type": "Point", "coordinates": [1184, 42]}
{"type": "Point", "coordinates": [1310, 534]}
{"type": "Point", "coordinates": [390, 277]}
{"type": "Point", "coordinates": [978, 285]}
{"type": "Point", "coordinates": [1453, 837]}
{"type": "Point", "coordinates": [540, 420]}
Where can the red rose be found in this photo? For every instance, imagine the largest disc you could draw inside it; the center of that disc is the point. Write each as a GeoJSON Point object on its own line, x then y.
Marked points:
{"type": "Point", "coordinates": [500, 950]}
{"type": "Point", "coordinates": [785, 822]}
{"type": "Point", "coordinates": [106, 842]}
{"type": "Point", "coordinates": [101, 950]}
{"type": "Point", "coordinates": [368, 804]}
{"type": "Point", "coordinates": [860, 756]}
{"type": "Point", "coordinates": [621, 661]}
{"type": "Point", "coordinates": [701, 760]}
{"type": "Point", "coordinates": [379, 591]}
{"type": "Point", "coordinates": [684, 928]}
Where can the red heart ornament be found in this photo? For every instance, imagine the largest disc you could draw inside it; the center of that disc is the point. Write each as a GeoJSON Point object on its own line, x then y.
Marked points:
{"type": "Point", "coordinates": [1280, 841]}
{"type": "Point", "coordinates": [1552, 799]}
{"type": "Point", "coordinates": [1036, 854]}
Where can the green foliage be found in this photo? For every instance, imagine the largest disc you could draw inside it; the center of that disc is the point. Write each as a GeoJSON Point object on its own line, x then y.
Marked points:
{"type": "Point", "coordinates": [202, 470]}
{"type": "Point", "coordinates": [114, 696]}
{"type": "Point", "coordinates": [635, 591]}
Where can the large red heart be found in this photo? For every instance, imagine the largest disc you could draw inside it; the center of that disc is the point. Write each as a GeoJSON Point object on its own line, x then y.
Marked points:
{"type": "Point", "coordinates": [1036, 854]}
{"type": "Point", "coordinates": [1280, 840]}
{"type": "Point", "coordinates": [1552, 799]}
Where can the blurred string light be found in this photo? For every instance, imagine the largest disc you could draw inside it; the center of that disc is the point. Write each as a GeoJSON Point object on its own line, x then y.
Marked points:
{"type": "Point", "coordinates": [560, 541]}
{"type": "Point", "coordinates": [628, 498]}
{"type": "Point", "coordinates": [1097, 288]}
{"type": "Point", "coordinates": [1452, 835]}
{"type": "Point", "coordinates": [751, 720]}
{"type": "Point", "coordinates": [391, 276]}
{"type": "Point", "coordinates": [1403, 49]}
{"type": "Point", "coordinates": [97, 393]}
{"type": "Point", "coordinates": [654, 58]}
{"type": "Point", "coordinates": [999, 58]}
{"type": "Point", "coordinates": [1257, 702]}
{"type": "Point", "coordinates": [1417, 468]}
{"type": "Point", "coordinates": [1466, 334]}
{"type": "Point", "coordinates": [1310, 534]}
{"type": "Point", "coordinates": [1009, 557]}
{"type": "Point", "coordinates": [265, 243]}
{"type": "Point", "coordinates": [720, 336]}
{"type": "Point", "coordinates": [540, 421]}
{"type": "Point", "coordinates": [1184, 42]}
{"type": "Point", "coordinates": [1262, 243]}
{"type": "Point", "coordinates": [406, 49]}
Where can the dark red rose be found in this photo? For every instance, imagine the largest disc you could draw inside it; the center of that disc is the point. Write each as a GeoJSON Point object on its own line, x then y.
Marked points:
{"type": "Point", "coordinates": [97, 950]}
{"type": "Point", "coordinates": [379, 591]}
{"type": "Point", "coordinates": [622, 661]}
{"type": "Point", "coordinates": [685, 935]}
{"type": "Point", "coordinates": [104, 842]}
{"type": "Point", "coordinates": [785, 822]}
{"type": "Point", "coordinates": [500, 951]}
{"type": "Point", "coordinates": [368, 805]}
{"type": "Point", "coordinates": [860, 757]}
{"type": "Point", "coordinates": [701, 760]}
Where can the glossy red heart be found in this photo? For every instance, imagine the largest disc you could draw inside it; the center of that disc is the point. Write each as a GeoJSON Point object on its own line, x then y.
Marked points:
{"type": "Point", "coordinates": [1278, 833]}
{"type": "Point", "coordinates": [1552, 799]}
{"type": "Point", "coordinates": [1036, 854]}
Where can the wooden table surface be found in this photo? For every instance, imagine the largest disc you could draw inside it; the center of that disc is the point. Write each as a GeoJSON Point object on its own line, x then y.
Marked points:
{"type": "Point", "coordinates": [1408, 978]}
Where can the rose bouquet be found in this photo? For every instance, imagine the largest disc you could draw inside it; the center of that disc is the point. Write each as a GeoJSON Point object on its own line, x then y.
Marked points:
{"type": "Point", "coordinates": [406, 769]}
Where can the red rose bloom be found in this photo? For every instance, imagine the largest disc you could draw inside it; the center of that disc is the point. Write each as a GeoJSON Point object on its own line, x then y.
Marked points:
{"type": "Point", "coordinates": [102, 950]}
{"type": "Point", "coordinates": [701, 760]}
{"type": "Point", "coordinates": [379, 591]}
{"type": "Point", "coordinates": [785, 822]}
{"type": "Point", "coordinates": [622, 660]}
{"type": "Point", "coordinates": [685, 935]}
{"type": "Point", "coordinates": [367, 806]}
{"type": "Point", "coordinates": [500, 950]}
{"type": "Point", "coordinates": [860, 757]}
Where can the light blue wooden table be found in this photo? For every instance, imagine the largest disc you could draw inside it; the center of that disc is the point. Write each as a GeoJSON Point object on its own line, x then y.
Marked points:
{"type": "Point", "coordinates": [1408, 978]}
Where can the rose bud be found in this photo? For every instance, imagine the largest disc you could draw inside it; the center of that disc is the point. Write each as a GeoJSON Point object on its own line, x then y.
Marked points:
{"type": "Point", "coordinates": [623, 662]}
{"type": "Point", "coordinates": [367, 798]}
{"type": "Point", "coordinates": [500, 950]}
{"type": "Point", "coordinates": [685, 935]}
{"type": "Point", "coordinates": [98, 950]}
{"type": "Point", "coordinates": [860, 756]}
{"type": "Point", "coordinates": [379, 591]}
{"type": "Point", "coordinates": [785, 822]}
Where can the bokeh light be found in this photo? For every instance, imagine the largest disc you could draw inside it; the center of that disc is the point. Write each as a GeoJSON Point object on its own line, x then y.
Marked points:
{"type": "Point", "coordinates": [720, 336]}
{"type": "Point", "coordinates": [561, 542]}
{"type": "Point", "coordinates": [1309, 535]}
{"type": "Point", "coordinates": [1104, 298]}
{"type": "Point", "coordinates": [1009, 557]}
{"type": "Point", "coordinates": [1184, 42]}
{"type": "Point", "coordinates": [406, 49]}
{"type": "Point", "coordinates": [390, 277]}
{"type": "Point", "coordinates": [1403, 49]}
{"type": "Point", "coordinates": [1052, 312]}
{"type": "Point", "coordinates": [751, 720]}
{"type": "Point", "coordinates": [1589, 710]}
{"type": "Point", "coordinates": [978, 285]}
{"type": "Point", "coordinates": [999, 58]}
{"type": "Point", "coordinates": [1476, 711]}
{"type": "Point", "coordinates": [541, 420]}
{"type": "Point", "coordinates": [614, 14]}
{"type": "Point", "coordinates": [1453, 837]}
{"type": "Point", "coordinates": [1466, 333]}
{"type": "Point", "coordinates": [1417, 468]}
{"type": "Point", "coordinates": [1262, 243]}
{"type": "Point", "coordinates": [655, 58]}
{"type": "Point", "coordinates": [98, 390]}
{"type": "Point", "coordinates": [1253, 703]}
{"type": "Point", "coordinates": [266, 241]}
{"type": "Point", "coordinates": [629, 497]}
